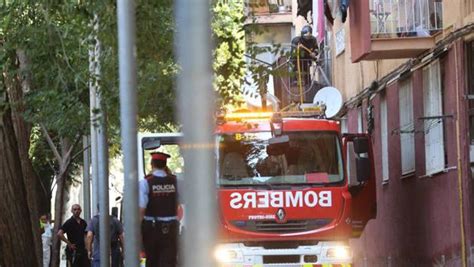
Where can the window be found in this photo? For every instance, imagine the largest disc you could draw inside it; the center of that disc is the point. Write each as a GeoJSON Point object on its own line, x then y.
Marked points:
{"type": "Point", "coordinates": [384, 137]}
{"type": "Point", "coordinates": [175, 162]}
{"type": "Point", "coordinates": [407, 136]}
{"type": "Point", "coordinates": [360, 120]}
{"type": "Point", "coordinates": [433, 125]}
{"type": "Point", "coordinates": [296, 158]}
{"type": "Point", "coordinates": [344, 128]}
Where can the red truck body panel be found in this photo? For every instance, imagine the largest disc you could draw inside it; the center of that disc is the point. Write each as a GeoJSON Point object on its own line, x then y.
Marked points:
{"type": "Point", "coordinates": [247, 213]}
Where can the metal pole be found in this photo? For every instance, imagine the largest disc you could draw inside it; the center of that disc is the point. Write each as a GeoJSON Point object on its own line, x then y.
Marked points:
{"type": "Point", "coordinates": [86, 182]}
{"type": "Point", "coordinates": [101, 177]}
{"type": "Point", "coordinates": [104, 218]}
{"type": "Point", "coordinates": [128, 124]}
{"type": "Point", "coordinates": [94, 172]}
{"type": "Point", "coordinates": [196, 103]}
{"type": "Point", "coordinates": [93, 109]}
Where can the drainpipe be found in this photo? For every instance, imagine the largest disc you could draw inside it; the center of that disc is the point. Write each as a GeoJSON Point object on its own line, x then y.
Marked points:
{"type": "Point", "coordinates": [459, 166]}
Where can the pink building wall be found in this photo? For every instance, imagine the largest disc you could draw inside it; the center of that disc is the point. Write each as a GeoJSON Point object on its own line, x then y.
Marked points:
{"type": "Point", "coordinates": [418, 219]}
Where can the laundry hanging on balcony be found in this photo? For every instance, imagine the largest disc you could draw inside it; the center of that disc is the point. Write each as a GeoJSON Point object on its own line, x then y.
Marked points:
{"type": "Point", "coordinates": [328, 13]}
{"type": "Point", "coordinates": [344, 6]}
{"type": "Point", "coordinates": [304, 7]}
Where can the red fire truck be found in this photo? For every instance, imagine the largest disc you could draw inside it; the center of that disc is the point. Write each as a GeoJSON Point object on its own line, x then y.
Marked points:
{"type": "Point", "coordinates": [292, 189]}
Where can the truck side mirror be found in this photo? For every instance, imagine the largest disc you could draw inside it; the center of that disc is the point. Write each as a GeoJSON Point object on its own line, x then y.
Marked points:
{"type": "Point", "coordinates": [359, 166]}
{"type": "Point", "coordinates": [363, 169]}
{"type": "Point", "coordinates": [115, 212]}
{"type": "Point", "coordinates": [361, 148]}
{"type": "Point", "coordinates": [361, 145]}
{"type": "Point", "coordinates": [151, 143]}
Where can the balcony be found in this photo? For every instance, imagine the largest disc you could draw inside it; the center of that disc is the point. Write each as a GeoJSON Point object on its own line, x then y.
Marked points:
{"type": "Point", "coordinates": [390, 29]}
{"type": "Point", "coordinates": [268, 11]}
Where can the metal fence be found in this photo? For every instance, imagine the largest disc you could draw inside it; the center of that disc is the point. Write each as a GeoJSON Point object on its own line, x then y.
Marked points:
{"type": "Point", "coordinates": [298, 84]}
{"type": "Point", "coordinates": [405, 18]}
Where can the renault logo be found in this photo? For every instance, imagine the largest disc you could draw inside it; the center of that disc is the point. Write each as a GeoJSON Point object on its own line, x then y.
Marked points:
{"type": "Point", "coordinates": [280, 215]}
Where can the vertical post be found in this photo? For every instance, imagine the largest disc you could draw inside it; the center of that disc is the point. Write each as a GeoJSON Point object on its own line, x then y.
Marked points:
{"type": "Point", "coordinates": [86, 182]}
{"type": "Point", "coordinates": [128, 125]}
{"type": "Point", "coordinates": [93, 111]}
{"type": "Point", "coordinates": [462, 226]}
{"type": "Point", "coordinates": [104, 218]}
{"type": "Point", "coordinates": [399, 29]}
{"type": "Point", "coordinates": [102, 152]}
{"type": "Point", "coordinates": [406, 18]}
{"type": "Point", "coordinates": [196, 104]}
{"type": "Point", "coordinates": [392, 22]}
{"type": "Point", "coordinates": [429, 11]}
{"type": "Point", "coordinates": [94, 172]}
{"type": "Point", "coordinates": [377, 10]}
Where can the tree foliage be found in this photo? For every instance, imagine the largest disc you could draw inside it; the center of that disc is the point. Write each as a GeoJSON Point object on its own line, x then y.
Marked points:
{"type": "Point", "coordinates": [236, 63]}
{"type": "Point", "coordinates": [229, 35]}
{"type": "Point", "coordinates": [56, 37]}
{"type": "Point", "coordinates": [156, 64]}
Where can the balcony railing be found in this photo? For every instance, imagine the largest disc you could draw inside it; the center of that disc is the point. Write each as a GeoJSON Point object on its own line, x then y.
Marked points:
{"type": "Point", "coordinates": [293, 84]}
{"type": "Point", "coordinates": [390, 29]}
{"type": "Point", "coordinates": [405, 18]}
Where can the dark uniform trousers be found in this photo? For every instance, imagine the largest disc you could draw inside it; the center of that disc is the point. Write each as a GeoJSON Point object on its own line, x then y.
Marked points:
{"type": "Point", "coordinates": [160, 242]}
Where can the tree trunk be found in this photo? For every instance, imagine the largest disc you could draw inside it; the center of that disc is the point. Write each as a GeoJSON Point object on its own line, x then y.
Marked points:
{"type": "Point", "coordinates": [58, 215]}
{"type": "Point", "coordinates": [60, 200]}
{"type": "Point", "coordinates": [16, 235]}
{"type": "Point", "coordinates": [20, 85]}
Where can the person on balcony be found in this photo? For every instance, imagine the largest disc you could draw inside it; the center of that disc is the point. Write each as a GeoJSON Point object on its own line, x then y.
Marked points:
{"type": "Point", "coordinates": [304, 50]}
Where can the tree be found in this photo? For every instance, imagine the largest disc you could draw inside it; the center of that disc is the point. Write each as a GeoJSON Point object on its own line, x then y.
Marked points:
{"type": "Point", "coordinates": [44, 96]}
{"type": "Point", "coordinates": [54, 36]}
{"type": "Point", "coordinates": [19, 213]}
{"type": "Point", "coordinates": [229, 35]}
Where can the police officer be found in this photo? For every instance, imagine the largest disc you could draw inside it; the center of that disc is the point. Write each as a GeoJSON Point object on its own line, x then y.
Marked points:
{"type": "Point", "coordinates": [158, 210]}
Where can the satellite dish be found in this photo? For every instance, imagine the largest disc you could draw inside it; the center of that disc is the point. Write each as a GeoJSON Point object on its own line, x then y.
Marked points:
{"type": "Point", "coordinates": [332, 98]}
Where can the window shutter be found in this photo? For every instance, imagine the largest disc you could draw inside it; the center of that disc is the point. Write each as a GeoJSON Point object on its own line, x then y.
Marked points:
{"type": "Point", "coordinates": [407, 137]}
{"type": "Point", "coordinates": [433, 106]}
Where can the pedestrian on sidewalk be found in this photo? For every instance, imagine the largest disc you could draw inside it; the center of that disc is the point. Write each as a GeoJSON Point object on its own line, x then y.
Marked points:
{"type": "Point", "coordinates": [116, 241]}
{"type": "Point", "coordinates": [46, 238]}
{"type": "Point", "coordinates": [75, 229]}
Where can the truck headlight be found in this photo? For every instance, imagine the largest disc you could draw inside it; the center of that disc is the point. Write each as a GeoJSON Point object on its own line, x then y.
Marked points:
{"type": "Point", "coordinates": [338, 253]}
{"type": "Point", "coordinates": [224, 254]}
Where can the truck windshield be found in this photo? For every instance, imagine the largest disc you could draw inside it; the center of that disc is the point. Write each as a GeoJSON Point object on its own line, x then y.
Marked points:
{"type": "Point", "coordinates": [255, 158]}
